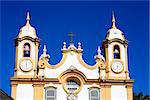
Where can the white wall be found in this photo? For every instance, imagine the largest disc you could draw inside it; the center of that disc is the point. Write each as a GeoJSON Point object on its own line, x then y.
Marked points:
{"type": "Point", "coordinates": [25, 92]}
{"type": "Point", "coordinates": [84, 93]}
{"type": "Point", "coordinates": [118, 92]}
{"type": "Point", "coordinates": [71, 60]}
{"type": "Point", "coordinates": [62, 95]}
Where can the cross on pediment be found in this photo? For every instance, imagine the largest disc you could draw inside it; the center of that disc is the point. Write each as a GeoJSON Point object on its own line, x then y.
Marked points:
{"type": "Point", "coordinates": [71, 35]}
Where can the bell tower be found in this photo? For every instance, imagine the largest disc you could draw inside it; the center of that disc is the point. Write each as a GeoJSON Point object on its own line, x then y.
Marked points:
{"type": "Point", "coordinates": [27, 44]}
{"type": "Point", "coordinates": [115, 50]}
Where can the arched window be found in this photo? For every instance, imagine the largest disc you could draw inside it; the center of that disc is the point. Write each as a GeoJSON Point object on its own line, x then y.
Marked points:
{"type": "Point", "coordinates": [72, 84]}
{"type": "Point", "coordinates": [26, 50]}
{"type": "Point", "coordinates": [116, 52]}
{"type": "Point", "coordinates": [94, 94]}
{"type": "Point", "coordinates": [50, 93]}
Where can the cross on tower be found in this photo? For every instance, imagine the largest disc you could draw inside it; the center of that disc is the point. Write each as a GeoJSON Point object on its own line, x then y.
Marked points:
{"type": "Point", "coordinates": [71, 35]}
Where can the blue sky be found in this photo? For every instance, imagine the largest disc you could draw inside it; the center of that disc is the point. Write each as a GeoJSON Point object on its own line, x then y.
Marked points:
{"type": "Point", "coordinates": [89, 21]}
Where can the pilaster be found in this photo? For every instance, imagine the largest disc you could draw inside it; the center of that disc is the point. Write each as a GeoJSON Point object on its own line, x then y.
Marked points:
{"type": "Point", "coordinates": [38, 91]}
{"type": "Point", "coordinates": [106, 91]}
{"type": "Point", "coordinates": [14, 91]}
{"type": "Point", "coordinates": [129, 91]}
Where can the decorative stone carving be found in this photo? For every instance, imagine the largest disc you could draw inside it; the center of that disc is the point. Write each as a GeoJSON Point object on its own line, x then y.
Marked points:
{"type": "Point", "coordinates": [72, 96]}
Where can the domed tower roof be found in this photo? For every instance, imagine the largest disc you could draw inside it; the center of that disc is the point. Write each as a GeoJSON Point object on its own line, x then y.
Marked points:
{"type": "Point", "coordinates": [27, 30]}
{"type": "Point", "coordinates": [114, 32]}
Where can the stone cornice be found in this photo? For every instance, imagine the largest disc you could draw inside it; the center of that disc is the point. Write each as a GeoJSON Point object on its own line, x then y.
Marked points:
{"type": "Point", "coordinates": [55, 80]}
{"type": "Point", "coordinates": [106, 42]}
{"type": "Point", "coordinates": [35, 40]}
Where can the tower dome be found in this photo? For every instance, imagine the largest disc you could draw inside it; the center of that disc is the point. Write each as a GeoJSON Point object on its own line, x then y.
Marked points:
{"type": "Point", "coordinates": [114, 32]}
{"type": "Point", "coordinates": [27, 30]}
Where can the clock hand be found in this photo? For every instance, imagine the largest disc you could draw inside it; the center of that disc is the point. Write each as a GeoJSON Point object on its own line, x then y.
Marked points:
{"type": "Point", "coordinates": [26, 64]}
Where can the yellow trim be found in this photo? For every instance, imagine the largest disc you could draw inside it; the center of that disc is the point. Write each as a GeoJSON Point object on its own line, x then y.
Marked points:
{"type": "Point", "coordinates": [38, 91]}
{"type": "Point", "coordinates": [76, 72]}
{"type": "Point", "coordinates": [105, 91]}
{"type": "Point", "coordinates": [107, 63]}
{"type": "Point", "coordinates": [16, 65]}
{"type": "Point", "coordinates": [73, 74]}
{"type": "Point", "coordinates": [26, 58]}
{"type": "Point", "coordinates": [26, 76]}
{"type": "Point", "coordinates": [102, 93]}
{"type": "Point", "coordinates": [60, 81]}
{"type": "Point", "coordinates": [36, 58]}
{"type": "Point", "coordinates": [43, 62]}
{"type": "Point", "coordinates": [78, 89]}
{"type": "Point", "coordinates": [108, 92]}
{"type": "Point", "coordinates": [14, 91]}
{"type": "Point", "coordinates": [126, 60]}
{"type": "Point", "coordinates": [81, 61]}
{"type": "Point", "coordinates": [129, 92]}
{"type": "Point", "coordinates": [117, 77]}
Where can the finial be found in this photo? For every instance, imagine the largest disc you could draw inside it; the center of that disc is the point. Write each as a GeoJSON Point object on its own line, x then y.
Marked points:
{"type": "Point", "coordinates": [113, 21]}
{"type": "Point", "coordinates": [99, 55]}
{"type": "Point", "coordinates": [44, 50]}
{"type": "Point", "coordinates": [99, 51]}
{"type": "Point", "coordinates": [79, 45]}
{"type": "Point", "coordinates": [28, 16]}
{"type": "Point", "coordinates": [28, 19]}
{"type": "Point", "coordinates": [44, 55]}
{"type": "Point", "coordinates": [64, 46]}
{"type": "Point", "coordinates": [71, 34]}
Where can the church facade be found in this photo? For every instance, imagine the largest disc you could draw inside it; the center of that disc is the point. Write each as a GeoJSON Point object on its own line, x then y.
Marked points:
{"type": "Point", "coordinates": [71, 79]}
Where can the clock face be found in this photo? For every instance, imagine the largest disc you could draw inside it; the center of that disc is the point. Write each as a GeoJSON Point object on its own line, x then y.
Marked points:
{"type": "Point", "coordinates": [26, 65]}
{"type": "Point", "coordinates": [117, 66]}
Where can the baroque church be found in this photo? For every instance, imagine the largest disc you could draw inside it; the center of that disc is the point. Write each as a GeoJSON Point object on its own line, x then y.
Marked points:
{"type": "Point", "coordinates": [71, 79]}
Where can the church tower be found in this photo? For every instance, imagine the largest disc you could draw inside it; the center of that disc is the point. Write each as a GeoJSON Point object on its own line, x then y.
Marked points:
{"type": "Point", "coordinates": [27, 44]}
{"type": "Point", "coordinates": [115, 50]}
